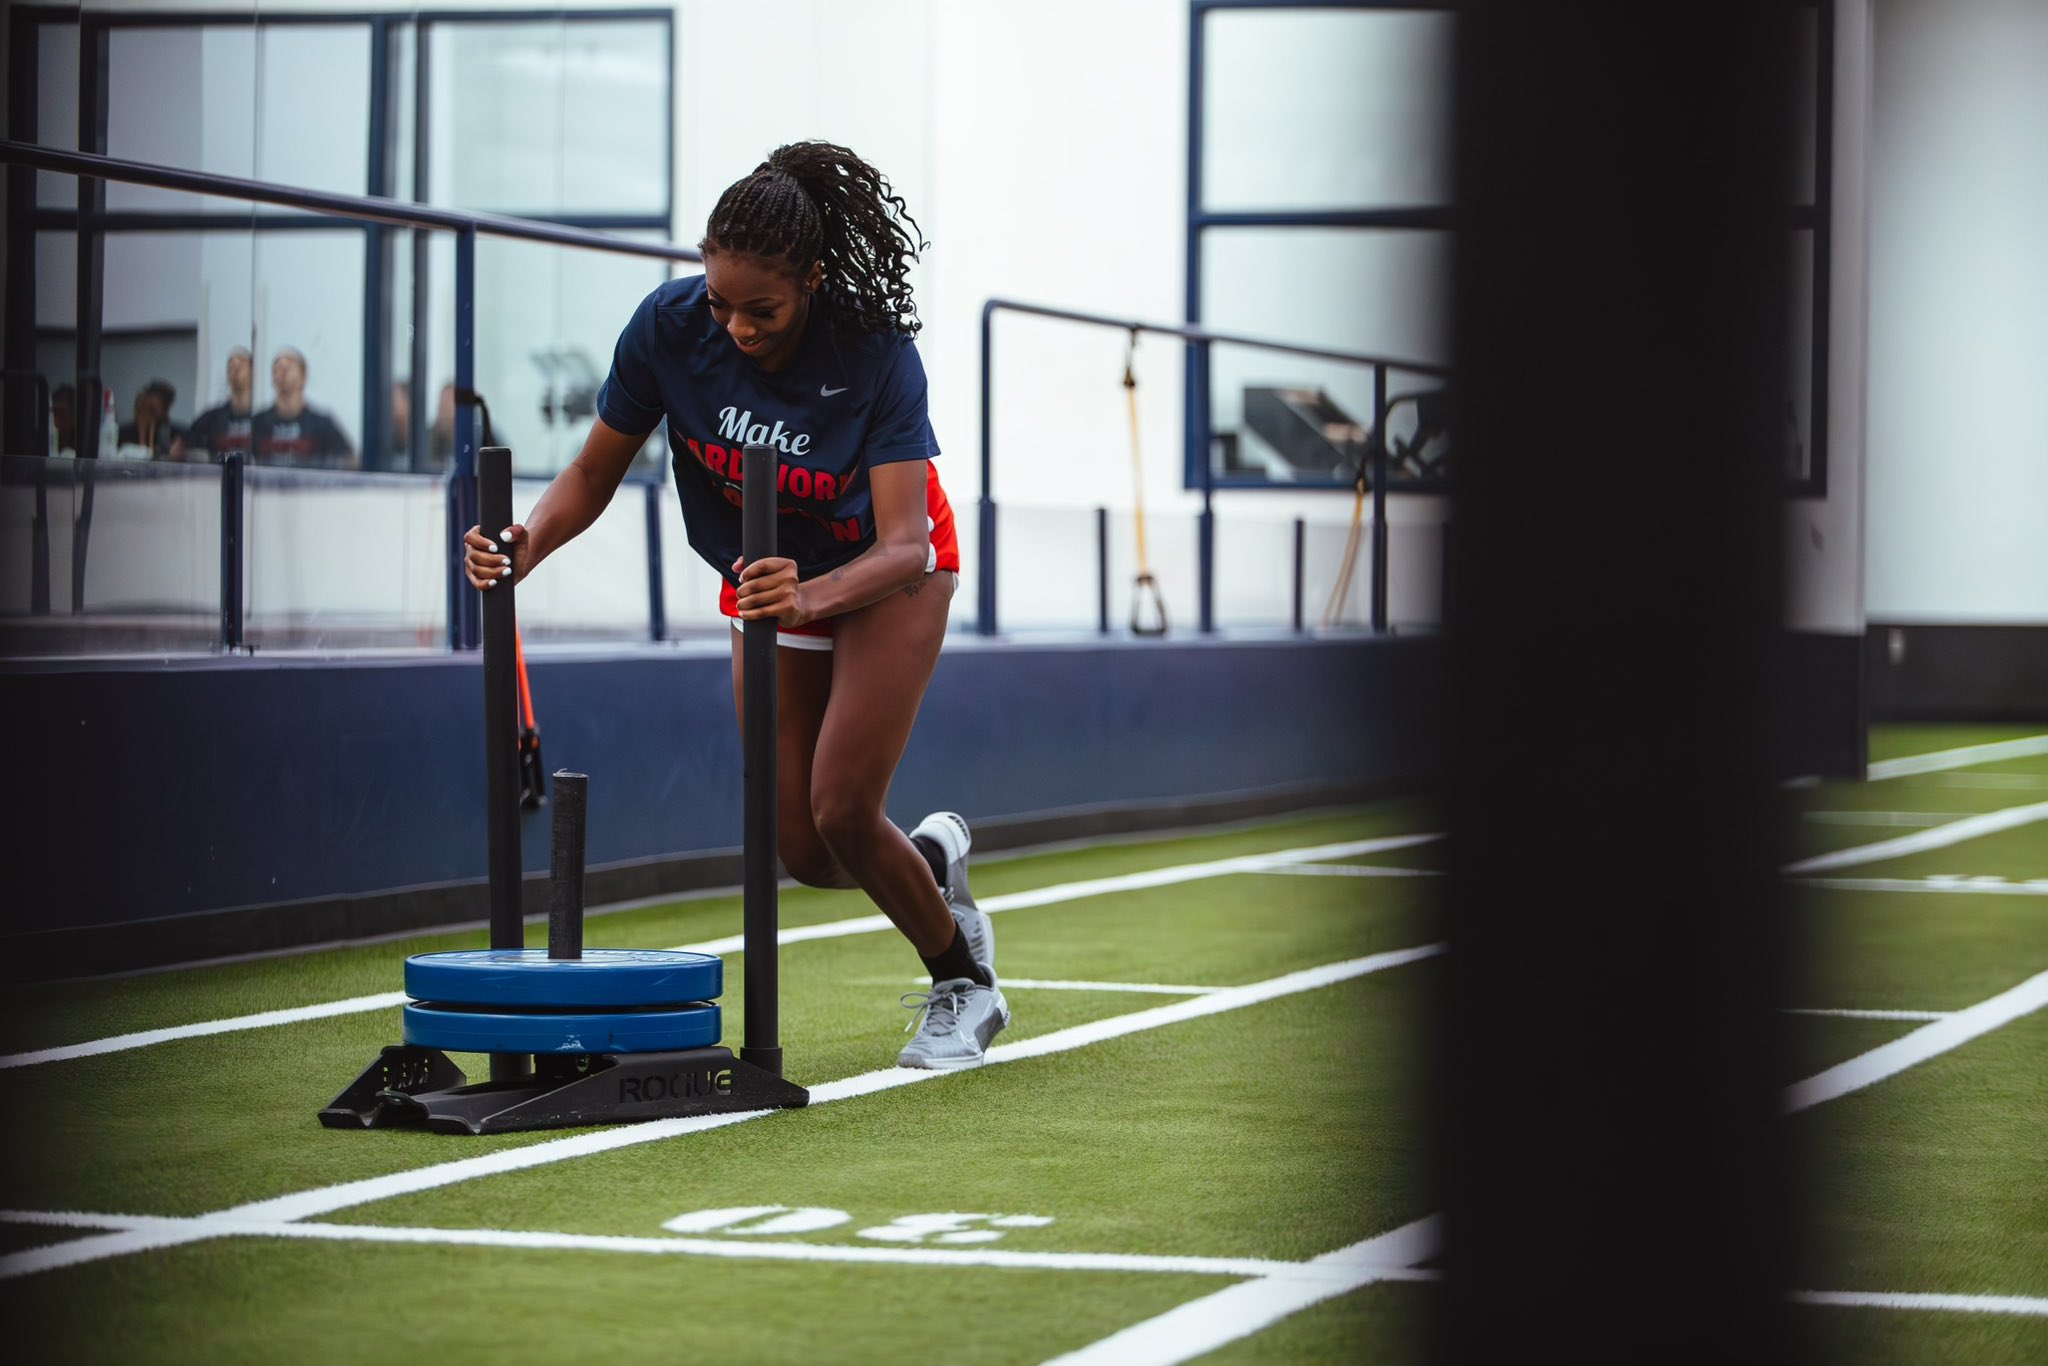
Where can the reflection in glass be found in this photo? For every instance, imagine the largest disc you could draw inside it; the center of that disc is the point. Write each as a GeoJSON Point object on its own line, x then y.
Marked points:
{"type": "Point", "coordinates": [309, 348]}
{"type": "Point", "coordinates": [1297, 418]}
{"type": "Point", "coordinates": [555, 316]}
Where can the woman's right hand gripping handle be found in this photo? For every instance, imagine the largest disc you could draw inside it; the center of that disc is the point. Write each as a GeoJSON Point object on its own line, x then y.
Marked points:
{"type": "Point", "coordinates": [487, 561]}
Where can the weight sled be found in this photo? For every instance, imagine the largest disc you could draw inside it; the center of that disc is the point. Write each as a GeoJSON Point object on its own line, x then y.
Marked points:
{"type": "Point", "coordinates": [419, 1088]}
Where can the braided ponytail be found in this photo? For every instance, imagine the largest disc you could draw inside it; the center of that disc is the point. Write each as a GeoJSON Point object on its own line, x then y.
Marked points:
{"type": "Point", "coordinates": [814, 202]}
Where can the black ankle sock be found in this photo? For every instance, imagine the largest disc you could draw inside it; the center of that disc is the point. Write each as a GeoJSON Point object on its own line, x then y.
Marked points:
{"type": "Point", "coordinates": [933, 855]}
{"type": "Point", "coordinates": [955, 961]}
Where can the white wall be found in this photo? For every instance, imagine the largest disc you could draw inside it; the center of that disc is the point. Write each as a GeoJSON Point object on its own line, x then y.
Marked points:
{"type": "Point", "coordinates": [1958, 404]}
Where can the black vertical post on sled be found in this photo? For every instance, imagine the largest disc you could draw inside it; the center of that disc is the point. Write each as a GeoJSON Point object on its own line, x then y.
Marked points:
{"type": "Point", "coordinates": [501, 733]}
{"type": "Point", "coordinates": [757, 541]}
{"type": "Point", "coordinates": [565, 864]}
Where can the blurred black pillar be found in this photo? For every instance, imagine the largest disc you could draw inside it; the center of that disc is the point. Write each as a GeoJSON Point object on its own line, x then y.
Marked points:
{"type": "Point", "coordinates": [1606, 1075]}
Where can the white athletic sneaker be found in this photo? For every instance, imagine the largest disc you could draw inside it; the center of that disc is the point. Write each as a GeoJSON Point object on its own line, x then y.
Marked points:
{"type": "Point", "coordinates": [949, 831]}
{"type": "Point", "coordinates": [956, 1022]}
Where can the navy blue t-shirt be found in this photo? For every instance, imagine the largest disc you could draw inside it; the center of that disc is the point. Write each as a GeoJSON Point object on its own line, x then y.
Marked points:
{"type": "Point", "coordinates": [843, 404]}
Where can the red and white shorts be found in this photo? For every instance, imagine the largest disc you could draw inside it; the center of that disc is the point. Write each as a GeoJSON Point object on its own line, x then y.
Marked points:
{"type": "Point", "coordinates": [942, 553]}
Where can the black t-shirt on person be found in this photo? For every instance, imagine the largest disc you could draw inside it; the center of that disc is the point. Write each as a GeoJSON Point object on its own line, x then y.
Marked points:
{"type": "Point", "coordinates": [220, 430]}
{"type": "Point", "coordinates": [310, 438]}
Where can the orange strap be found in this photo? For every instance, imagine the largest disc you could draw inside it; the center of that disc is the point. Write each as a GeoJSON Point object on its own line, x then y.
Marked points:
{"type": "Point", "coordinates": [525, 688]}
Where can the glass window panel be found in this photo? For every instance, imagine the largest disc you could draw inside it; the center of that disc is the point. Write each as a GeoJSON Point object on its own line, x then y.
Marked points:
{"type": "Point", "coordinates": [595, 587]}
{"type": "Point", "coordinates": [176, 303]}
{"type": "Point", "coordinates": [614, 117]}
{"type": "Point", "coordinates": [57, 107]}
{"type": "Point", "coordinates": [395, 589]}
{"type": "Point", "coordinates": [134, 566]}
{"type": "Point", "coordinates": [550, 118]}
{"type": "Point", "coordinates": [1255, 281]}
{"type": "Point", "coordinates": [313, 106]}
{"type": "Point", "coordinates": [548, 318]}
{"type": "Point", "coordinates": [405, 48]}
{"type": "Point", "coordinates": [1047, 577]}
{"type": "Point", "coordinates": [57, 278]}
{"type": "Point", "coordinates": [308, 295]}
{"type": "Point", "coordinates": [689, 592]}
{"type": "Point", "coordinates": [182, 97]}
{"type": "Point", "coordinates": [1326, 109]}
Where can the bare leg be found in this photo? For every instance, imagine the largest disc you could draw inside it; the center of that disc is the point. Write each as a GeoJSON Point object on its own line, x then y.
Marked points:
{"type": "Point", "coordinates": [883, 656]}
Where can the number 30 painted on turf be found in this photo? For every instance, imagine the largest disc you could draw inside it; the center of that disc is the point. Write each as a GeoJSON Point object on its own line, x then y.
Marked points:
{"type": "Point", "coordinates": [771, 1220]}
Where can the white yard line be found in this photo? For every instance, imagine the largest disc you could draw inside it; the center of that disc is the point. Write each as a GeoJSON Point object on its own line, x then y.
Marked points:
{"type": "Point", "coordinates": [1960, 1304]}
{"type": "Point", "coordinates": [2003, 782]}
{"type": "Point", "coordinates": [1928, 1041]}
{"type": "Point", "coordinates": [1920, 841]}
{"type": "Point", "coordinates": [1976, 886]}
{"type": "Point", "coordinates": [213, 1226]}
{"type": "Point", "coordinates": [1966, 757]}
{"type": "Point", "coordinates": [1200, 1326]}
{"type": "Point", "coordinates": [1874, 1014]}
{"type": "Point", "coordinates": [1887, 818]}
{"type": "Point", "coordinates": [1350, 870]}
{"type": "Point", "coordinates": [1989, 887]}
{"type": "Point", "coordinates": [832, 929]}
{"type": "Point", "coordinates": [327, 1200]}
{"type": "Point", "coordinates": [261, 1020]}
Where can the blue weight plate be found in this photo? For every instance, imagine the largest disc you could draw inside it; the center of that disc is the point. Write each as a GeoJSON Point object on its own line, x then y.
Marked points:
{"type": "Point", "coordinates": [601, 978]}
{"type": "Point", "coordinates": [433, 1024]}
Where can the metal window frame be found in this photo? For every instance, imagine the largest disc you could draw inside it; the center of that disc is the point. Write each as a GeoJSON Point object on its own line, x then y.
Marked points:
{"type": "Point", "coordinates": [1815, 217]}
{"type": "Point", "coordinates": [92, 222]}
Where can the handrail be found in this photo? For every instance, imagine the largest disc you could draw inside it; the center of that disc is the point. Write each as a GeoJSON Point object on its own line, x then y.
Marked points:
{"type": "Point", "coordinates": [364, 208]}
{"type": "Point", "coordinates": [1196, 332]}
{"type": "Point", "coordinates": [985, 604]}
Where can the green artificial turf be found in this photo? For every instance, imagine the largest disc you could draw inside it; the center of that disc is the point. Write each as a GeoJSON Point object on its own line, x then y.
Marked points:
{"type": "Point", "coordinates": [1285, 1129]}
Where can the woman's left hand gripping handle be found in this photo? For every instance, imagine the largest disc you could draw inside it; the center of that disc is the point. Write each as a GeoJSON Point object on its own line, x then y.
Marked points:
{"type": "Point", "coordinates": [487, 561]}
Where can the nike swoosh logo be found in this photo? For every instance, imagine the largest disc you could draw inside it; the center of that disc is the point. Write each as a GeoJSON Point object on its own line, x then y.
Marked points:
{"type": "Point", "coordinates": [823, 392]}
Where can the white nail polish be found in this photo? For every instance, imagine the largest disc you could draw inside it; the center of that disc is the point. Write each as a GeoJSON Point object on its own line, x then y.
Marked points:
{"type": "Point", "coordinates": [492, 546]}
{"type": "Point", "coordinates": [503, 572]}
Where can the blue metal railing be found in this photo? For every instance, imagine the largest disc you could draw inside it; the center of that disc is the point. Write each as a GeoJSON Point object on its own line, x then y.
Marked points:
{"type": "Point", "coordinates": [464, 623]}
{"type": "Point", "coordinates": [1201, 338]}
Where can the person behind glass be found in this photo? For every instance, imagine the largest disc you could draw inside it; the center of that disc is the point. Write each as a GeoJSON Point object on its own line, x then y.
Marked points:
{"type": "Point", "coordinates": [291, 431]}
{"type": "Point", "coordinates": [226, 426]}
{"type": "Point", "coordinates": [152, 430]}
{"type": "Point", "coordinates": [799, 335]}
{"type": "Point", "coordinates": [64, 420]}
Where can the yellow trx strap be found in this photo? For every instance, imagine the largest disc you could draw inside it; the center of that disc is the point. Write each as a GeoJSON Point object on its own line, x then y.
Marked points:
{"type": "Point", "coordinates": [1147, 586]}
{"type": "Point", "coordinates": [1342, 591]}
